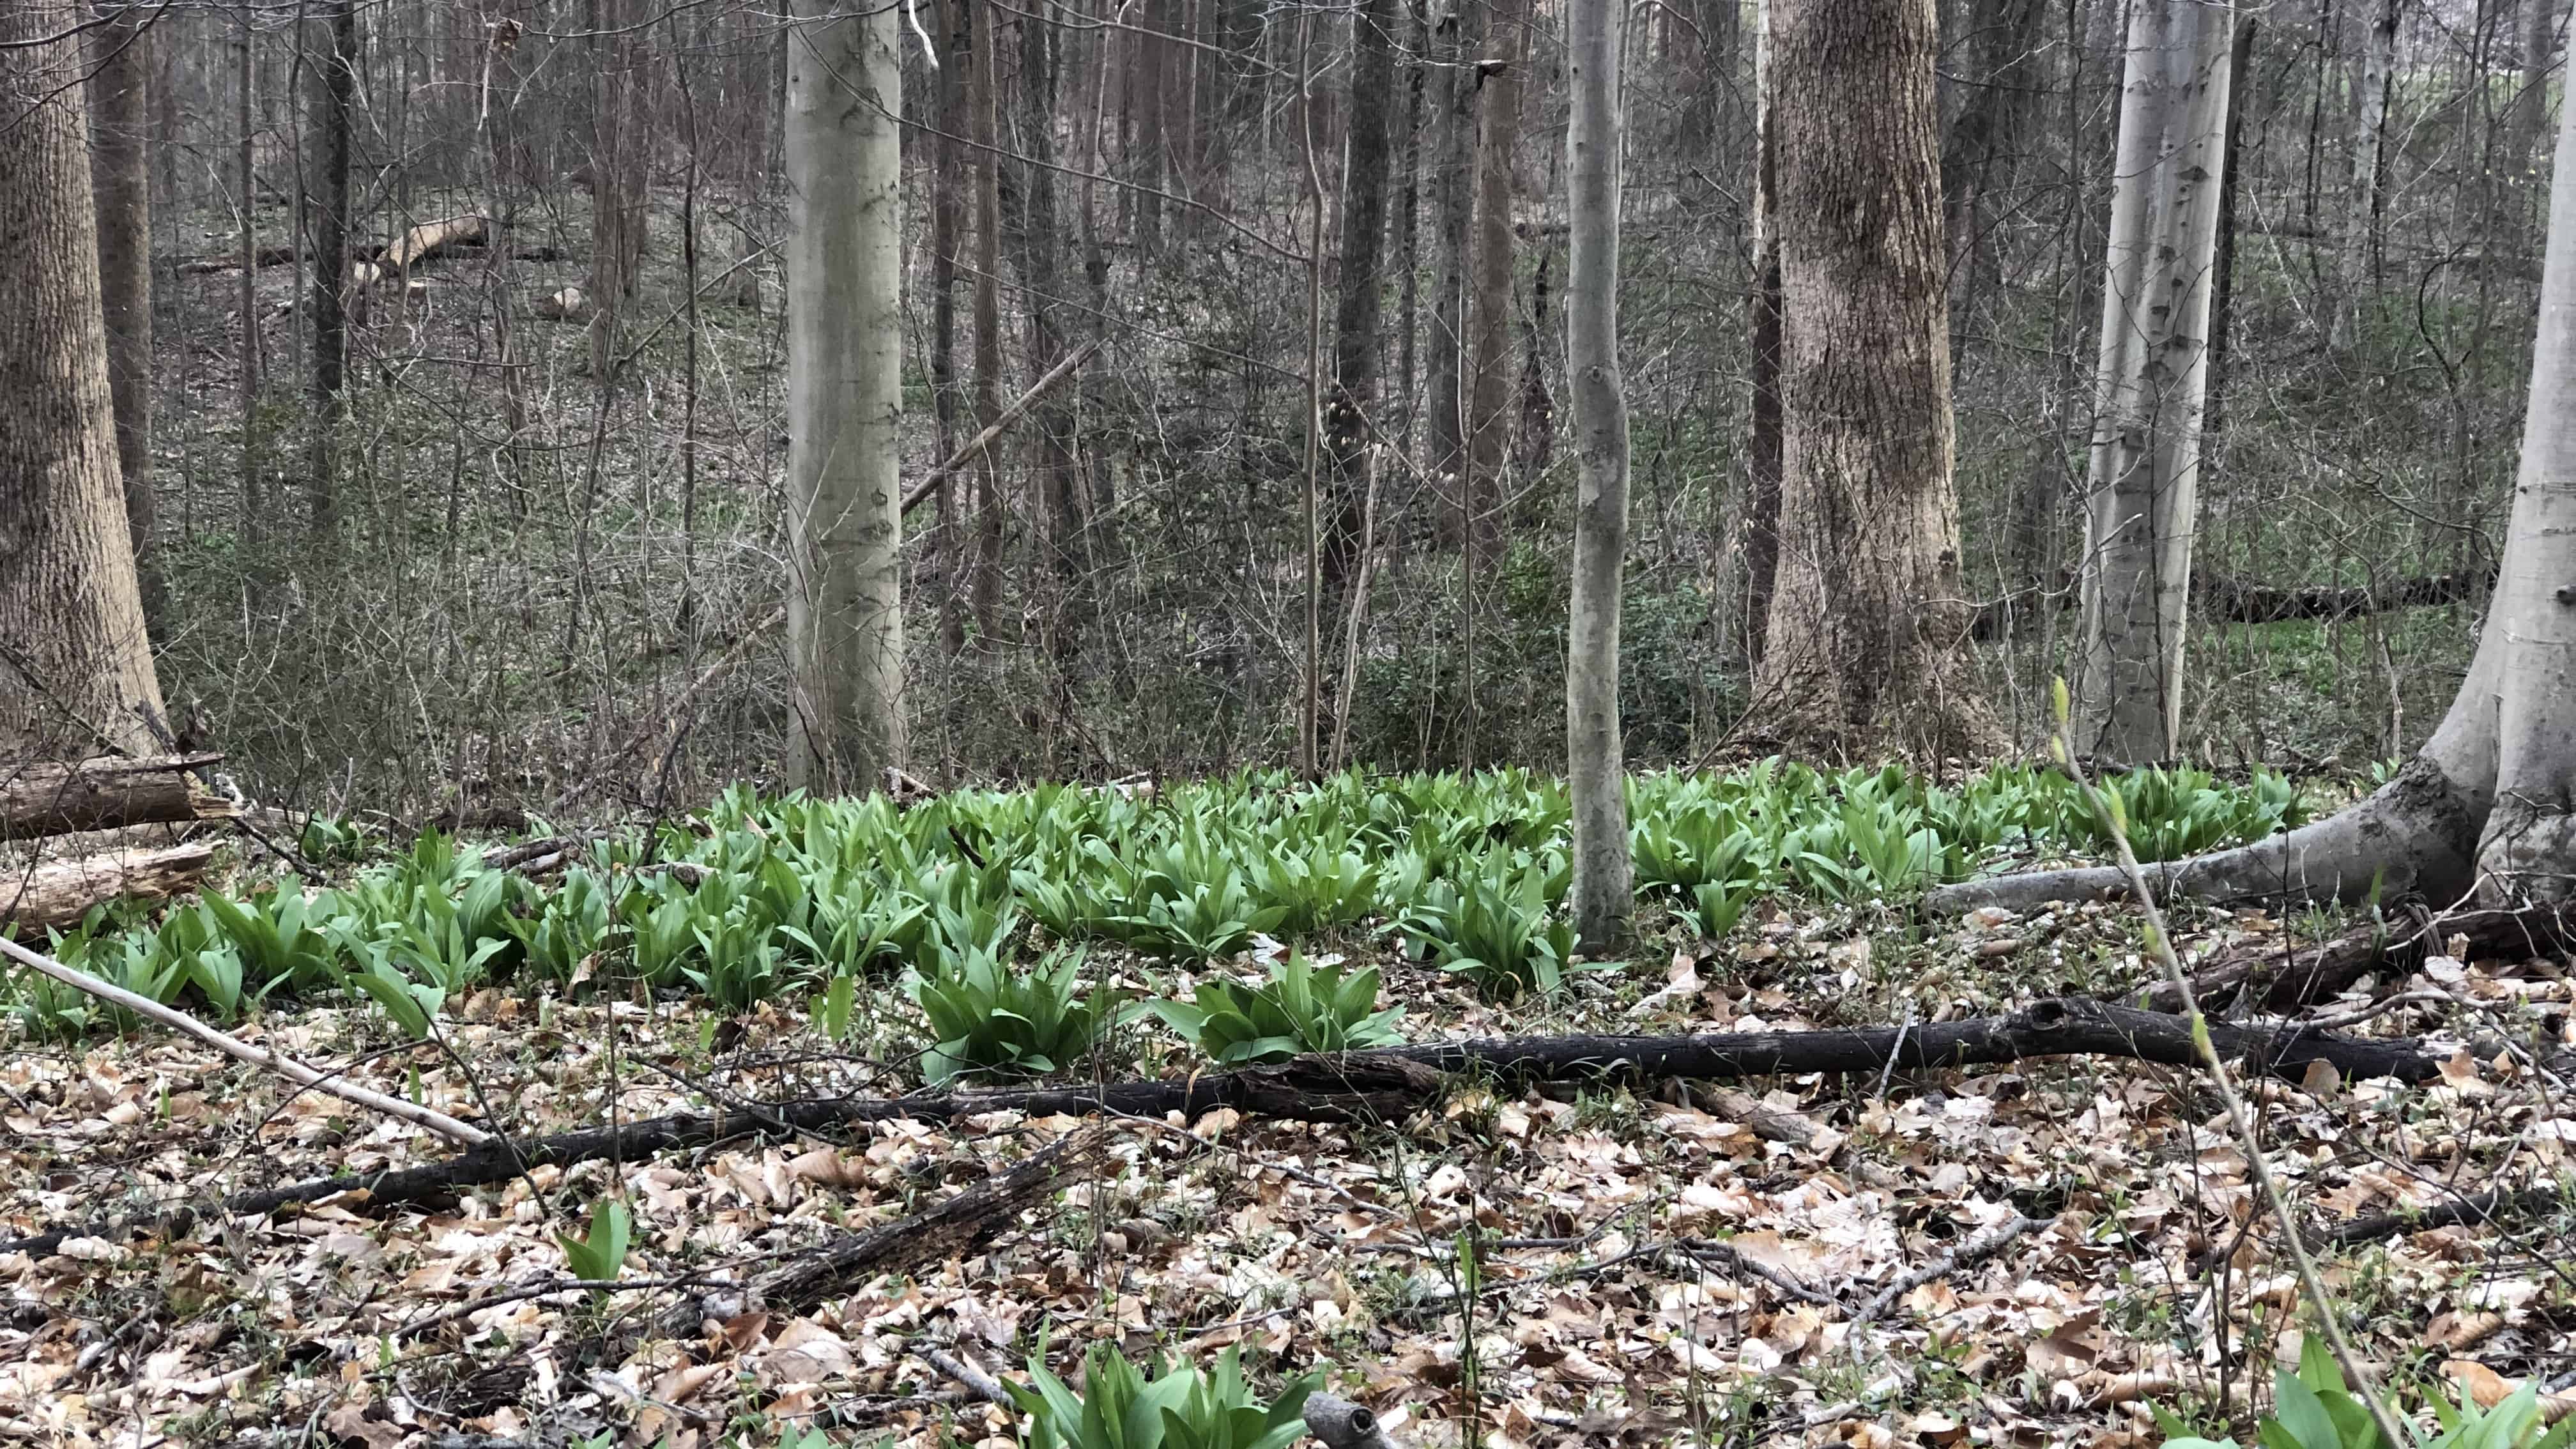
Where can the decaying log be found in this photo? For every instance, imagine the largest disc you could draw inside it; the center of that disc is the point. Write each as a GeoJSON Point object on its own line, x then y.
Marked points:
{"type": "Point", "coordinates": [52, 798]}
{"type": "Point", "coordinates": [569, 305]}
{"type": "Point", "coordinates": [953, 1225]}
{"type": "Point", "coordinates": [2283, 977]}
{"type": "Point", "coordinates": [2218, 597]}
{"type": "Point", "coordinates": [1387, 1086]}
{"type": "Point", "coordinates": [55, 895]}
{"type": "Point", "coordinates": [419, 244]}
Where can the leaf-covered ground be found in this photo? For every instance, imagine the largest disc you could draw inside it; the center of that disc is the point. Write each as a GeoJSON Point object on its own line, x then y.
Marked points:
{"type": "Point", "coordinates": [1689, 1266]}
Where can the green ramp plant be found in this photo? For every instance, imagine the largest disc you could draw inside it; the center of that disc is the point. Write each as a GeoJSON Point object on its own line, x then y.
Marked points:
{"type": "Point", "coordinates": [989, 1020]}
{"type": "Point", "coordinates": [1124, 1407]}
{"type": "Point", "coordinates": [1301, 1008]}
{"type": "Point", "coordinates": [2312, 1409]}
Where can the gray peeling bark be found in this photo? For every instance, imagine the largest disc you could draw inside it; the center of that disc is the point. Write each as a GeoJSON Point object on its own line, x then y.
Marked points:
{"type": "Point", "coordinates": [1864, 648]}
{"type": "Point", "coordinates": [2485, 806]}
{"type": "Point", "coordinates": [845, 402]}
{"type": "Point", "coordinates": [1603, 895]}
{"type": "Point", "coordinates": [75, 664]}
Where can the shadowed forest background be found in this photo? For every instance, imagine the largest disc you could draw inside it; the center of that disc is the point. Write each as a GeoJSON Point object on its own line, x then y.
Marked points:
{"type": "Point", "coordinates": [545, 571]}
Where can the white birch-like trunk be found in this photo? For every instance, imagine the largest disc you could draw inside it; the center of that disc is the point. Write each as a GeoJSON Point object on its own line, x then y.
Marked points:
{"type": "Point", "coordinates": [2378, 55]}
{"type": "Point", "coordinates": [844, 393]}
{"type": "Point", "coordinates": [1596, 777]}
{"type": "Point", "coordinates": [2485, 807]}
{"type": "Point", "coordinates": [2151, 379]}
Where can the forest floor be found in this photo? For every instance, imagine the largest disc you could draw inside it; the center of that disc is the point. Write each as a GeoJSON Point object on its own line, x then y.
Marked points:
{"type": "Point", "coordinates": [1600, 1314]}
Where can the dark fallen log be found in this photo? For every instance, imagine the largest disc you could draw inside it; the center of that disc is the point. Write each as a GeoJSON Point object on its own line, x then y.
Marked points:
{"type": "Point", "coordinates": [1384, 1086]}
{"type": "Point", "coordinates": [48, 797]}
{"type": "Point", "coordinates": [955, 1225]}
{"type": "Point", "coordinates": [2500, 1205]}
{"type": "Point", "coordinates": [2282, 978]}
{"type": "Point", "coordinates": [2236, 601]}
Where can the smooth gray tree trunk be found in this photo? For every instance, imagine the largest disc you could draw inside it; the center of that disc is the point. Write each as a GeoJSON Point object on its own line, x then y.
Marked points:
{"type": "Point", "coordinates": [844, 393]}
{"type": "Point", "coordinates": [2484, 808]}
{"type": "Point", "coordinates": [2151, 379]}
{"type": "Point", "coordinates": [1604, 898]}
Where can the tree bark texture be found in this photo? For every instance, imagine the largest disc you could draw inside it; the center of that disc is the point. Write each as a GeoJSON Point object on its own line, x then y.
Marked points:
{"type": "Point", "coordinates": [1455, 36]}
{"type": "Point", "coordinates": [1864, 649]}
{"type": "Point", "coordinates": [2484, 807]}
{"type": "Point", "coordinates": [1762, 323]}
{"type": "Point", "coordinates": [1498, 129]}
{"type": "Point", "coordinates": [52, 798]}
{"type": "Point", "coordinates": [845, 400]}
{"type": "Point", "coordinates": [621, 134]}
{"type": "Point", "coordinates": [120, 114]}
{"type": "Point", "coordinates": [1603, 896]}
{"type": "Point", "coordinates": [2143, 491]}
{"type": "Point", "coordinates": [335, 88]}
{"type": "Point", "coordinates": [1356, 319]}
{"type": "Point", "coordinates": [76, 670]}
{"type": "Point", "coordinates": [54, 896]}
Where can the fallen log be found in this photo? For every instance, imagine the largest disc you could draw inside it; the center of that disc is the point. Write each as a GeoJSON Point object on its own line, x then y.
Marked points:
{"type": "Point", "coordinates": [952, 1226]}
{"type": "Point", "coordinates": [2497, 1205]}
{"type": "Point", "coordinates": [54, 798]}
{"type": "Point", "coordinates": [1386, 1086]}
{"type": "Point", "coordinates": [55, 895]}
{"type": "Point", "coordinates": [2283, 978]}
{"type": "Point", "coordinates": [419, 244]}
{"type": "Point", "coordinates": [569, 305]}
{"type": "Point", "coordinates": [2236, 601]}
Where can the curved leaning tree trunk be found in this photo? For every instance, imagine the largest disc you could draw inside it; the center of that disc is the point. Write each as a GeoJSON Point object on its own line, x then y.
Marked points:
{"type": "Point", "coordinates": [2152, 379]}
{"type": "Point", "coordinates": [2484, 806]}
{"type": "Point", "coordinates": [1865, 649]}
{"type": "Point", "coordinates": [844, 395]}
{"type": "Point", "coordinates": [1603, 896]}
{"type": "Point", "coordinates": [75, 663]}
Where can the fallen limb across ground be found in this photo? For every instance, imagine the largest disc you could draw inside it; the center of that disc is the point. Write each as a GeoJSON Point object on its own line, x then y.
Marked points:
{"type": "Point", "coordinates": [1388, 1085]}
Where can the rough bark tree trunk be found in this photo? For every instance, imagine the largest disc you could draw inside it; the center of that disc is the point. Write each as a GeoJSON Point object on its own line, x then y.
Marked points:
{"type": "Point", "coordinates": [845, 398]}
{"type": "Point", "coordinates": [948, 168]}
{"type": "Point", "coordinates": [1868, 619]}
{"type": "Point", "coordinates": [246, 200]}
{"type": "Point", "coordinates": [1359, 309]}
{"type": "Point", "coordinates": [620, 138]}
{"type": "Point", "coordinates": [2151, 378]}
{"type": "Point", "coordinates": [1762, 313]}
{"type": "Point", "coordinates": [1604, 897]}
{"type": "Point", "coordinates": [120, 111]}
{"type": "Point", "coordinates": [2531, 102]}
{"type": "Point", "coordinates": [335, 83]}
{"type": "Point", "coordinates": [2485, 806]}
{"type": "Point", "coordinates": [1498, 129]}
{"type": "Point", "coordinates": [982, 85]}
{"type": "Point", "coordinates": [75, 663]}
{"type": "Point", "coordinates": [1454, 38]}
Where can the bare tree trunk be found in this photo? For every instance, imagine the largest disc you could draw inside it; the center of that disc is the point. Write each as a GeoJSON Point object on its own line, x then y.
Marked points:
{"type": "Point", "coordinates": [2489, 804]}
{"type": "Point", "coordinates": [120, 107]}
{"type": "Point", "coordinates": [1762, 310]}
{"type": "Point", "coordinates": [620, 153]}
{"type": "Point", "coordinates": [947, 221]}
{"type": "Point", "coordinates": [246, 200]}
{"type": "Point", "coordinates": [75, 663]}
{"type": "Point", "coordinates": [1596, 779]}
{"type": "Point", "coordinates": [1454, 39]}
{"type": "Point", "coordinates": [1498, 128]}
{"type": "Point", "coordinates": [988, 324]}
{"type": "Point", "coordinates": [845, 394]}
{"type": "Point", "coordinates": [2531, 102]}
{"type": "Point", "coordinates": [1865, 648]}
{"type": "Point", "coordinates": [1983, 142]}
{"type": "Point", "coordinates": [335, 93]}
{"type": "Point", "coordinates": [2361, 218]}
{"type": "Point", "coordinates": [2150, 383]}
{"type": "Point", "coordinates": [1357, 349]}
